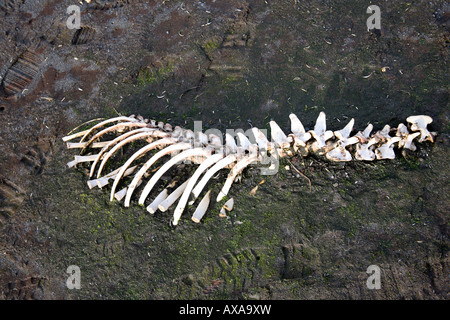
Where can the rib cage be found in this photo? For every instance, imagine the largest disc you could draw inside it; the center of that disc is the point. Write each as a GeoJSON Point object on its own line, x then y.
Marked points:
{"type": "Point", "coordinates": [175, 145]}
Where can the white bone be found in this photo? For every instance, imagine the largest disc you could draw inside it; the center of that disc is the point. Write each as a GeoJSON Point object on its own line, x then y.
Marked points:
{"type": "Point", "coordinates": [229, 204]}
{"type": "Point", "coordinates": [150, 162]}
{"type": "Point", "coordinates": [75, 135]}
{"type": "Point", "coordinates": [79, 145]}
{"type": "Point", "coordinates": [237, 169]}
{"type": "Point", "coordinates": [153, 207]}
{"type": "Point", "coordinates": [177, 131]}
{"type": "Point", "coordinates": [364, 151]}
{"type": "Point", "coordinates": [297, 142]}
{"type": "Point", "coordinates": [120, 194]}
{"type": "Point", "coordinates": [117, 128]}
{"type": "Point", "coordinates": [93, 183]}
{"type": "Point", "coordinates": [80, 159]}
{"type": "Point", "coordinates": [142, 135]}
{"type": "Point", "coordinates": [385, 132]}
{"type": "Point", "coordinates": [260, 138]}
{"type": "Point", "coordinates": [339, 153]}
{"type": "Point", "coordinates": [320, 133]}
{"type": "Point", "coordinates": [222, 213]}
{"type": "Point", "coordinates": [230, 144]}
{"type": "Point", "coordinates": [188, 135]}
{"type": "Point", "coordinates": [103, 123]}
{"type": "Point", "coordinates": [298, 130]}
{"type": "Point", "coordinates": [215, 141]}
{"type": "Point", "coordinates": [243, 141]}
{"type": "Point", "coordinates": [192, 181]}
{"type": "Point", "coordinates": [296, 125]}
{"type": "Point", "coordinates": [345, 133]}
{"type": "Point", "coordinates": [114, 142]}
{"type": "Point", "coordinates": [167, 127]}
{"type": "Point", "coordinates": [141, 172]}
{"type": "Point", "coordinates": [408, 143]}
{"type": "Point", "coordinates": [201, 138]}
{"type": "Point", "coordinates": [364, 136]}
{"type": "Point", "coordinates": [321, 126]}
{"type": "Point", "coordinates": [367, 130]}
{"type": "Point", "coordinates": [158, 174]}
{"type": "Point", "coordinates": [201, 209]}
{"type": "Point", "coordinates": [386, 150]}
{"type": "Point", "coordinates": [174, 196]}
{"type": "Point", "coordinates": [208, 175]}
{"type": "Point", "coordinates": [402, 130]}
{"type": "Point", "coordinates": [407, 138]}
{"type": "Point", "coordinates": [103, 181]}
{"type": "Point", "coordinates": [278, 136]}
{"type": "Point", "coordinates": [419, 123]}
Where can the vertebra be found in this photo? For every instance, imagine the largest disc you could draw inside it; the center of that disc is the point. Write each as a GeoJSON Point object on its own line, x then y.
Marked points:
{"type": "Point", "coordinates": [212, 155]}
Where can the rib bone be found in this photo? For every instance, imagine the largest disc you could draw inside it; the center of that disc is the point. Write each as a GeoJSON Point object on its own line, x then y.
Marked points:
{"type": "Point", "coordinates": [201, 209]}
{"type": "Point", "coordinates": [174, 196]}
{"type": "Point", "coordinates": [237, 169]}
{"type": "Point", "coordinates": [208, 175]}
{"type": "Point", "coordinates": [105, 122]}
{"type": "Point", "coordinates": [180, 157]}
{"type": "Point", "coordinates": [150, 162]}
{"type": "Point", "coordinates": [193, 180]}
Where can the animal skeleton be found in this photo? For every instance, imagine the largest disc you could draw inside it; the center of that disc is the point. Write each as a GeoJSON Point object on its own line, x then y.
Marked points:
{"type": "Point", "coordinates": [211, 155]}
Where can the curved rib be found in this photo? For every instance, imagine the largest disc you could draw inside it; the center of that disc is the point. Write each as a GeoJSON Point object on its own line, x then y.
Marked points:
{"type": "Point", "coordinates": [79, 159]}
{"type": "Point", "coordinates": [192, 181]}
{"type": "Point", "coordinates": [75, 135]}
{"type": "Point", "coordinates": [240, 165]}
{"type": "Point", "coordinates": [208, 175]}
{"type": "Point", "coordinates": [138, 153]}
{"type": "Point", "coordinates": [103, 123]}
{"type": "Point", "coordinates": [166, 203]}
{"type": "Point", "coordinates": [121, 144]}
{"type": "Point", "coordinates": [113, 142]}
{"type": "Point", "coordinates": [158, 174]}
{"type": "Point", "coordinates": [103, 181]}
{"type": "Point", "coordinates": [80, 145]}
{"type": "Point", "coordinates": [114, 128]}
{"type": "Point", "coordinates": [149, 163]}
{"type": "Point", "coordinates": [93, 183]}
